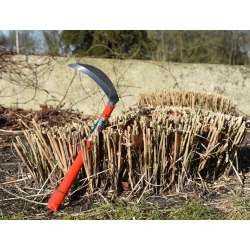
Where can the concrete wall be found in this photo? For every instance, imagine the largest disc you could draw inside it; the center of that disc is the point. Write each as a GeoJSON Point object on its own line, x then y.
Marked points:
{"type": "Point", "coordinates": [131, 77]}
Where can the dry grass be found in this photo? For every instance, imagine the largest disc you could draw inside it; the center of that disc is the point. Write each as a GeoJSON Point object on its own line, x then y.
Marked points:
{"type": "Point", "coordinates": [188, 98]}
{"type": "Point", "coordinates": [155, 150]}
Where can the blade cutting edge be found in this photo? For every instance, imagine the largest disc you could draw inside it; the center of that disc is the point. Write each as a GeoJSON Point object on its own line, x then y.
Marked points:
{"type": "Point", "coordinates": [100, 78]}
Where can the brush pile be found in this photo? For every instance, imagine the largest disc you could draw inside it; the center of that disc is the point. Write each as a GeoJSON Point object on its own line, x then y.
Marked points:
{"type": "Point", "coordinates": [158, 149]}
{"type": "Point", "coordinates": [19, 119]}
{"type": "Point", "coordinates": [188, 98]}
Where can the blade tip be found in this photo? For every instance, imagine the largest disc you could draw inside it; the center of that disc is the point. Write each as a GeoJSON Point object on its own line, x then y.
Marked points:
{"type": "Point", "coordinates": [71, 65]}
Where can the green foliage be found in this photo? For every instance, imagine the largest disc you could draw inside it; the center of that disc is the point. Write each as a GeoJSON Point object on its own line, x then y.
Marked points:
{"type": "Point", "coordinates": [76, 41]}
{"type": "Point", "coordinates": [52, 38]}
{"type": "Point", "coordinates": [129, 42]}
{"type": "Point", "coordinates": [202, 46]}
{"type": "Point", "coordinates": [182, 46]}
{"type": "Point", "coordinates": [188, 46]}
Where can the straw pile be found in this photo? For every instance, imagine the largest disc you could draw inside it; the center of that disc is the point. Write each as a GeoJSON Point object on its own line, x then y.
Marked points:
{"type": "Point", "coordinates": [158, 149]}
{"type": "Point", "coordinates": [188, 98]}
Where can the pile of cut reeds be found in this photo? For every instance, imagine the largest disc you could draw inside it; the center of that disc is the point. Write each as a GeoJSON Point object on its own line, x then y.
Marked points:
{"type": "Point", "coordinates": [188, 98]}
{"type": "Point", "coordinates": [158, 149]}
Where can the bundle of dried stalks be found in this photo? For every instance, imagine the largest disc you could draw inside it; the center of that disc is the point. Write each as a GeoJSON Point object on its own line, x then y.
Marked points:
{"type": "Point", "coordinates": [188, 98]}
{"type": "Point", "coordinates": [158, 149]}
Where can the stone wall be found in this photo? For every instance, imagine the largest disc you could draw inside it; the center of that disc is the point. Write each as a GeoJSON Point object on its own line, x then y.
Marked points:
{"type": "Point", "coordinates": [55, 82]}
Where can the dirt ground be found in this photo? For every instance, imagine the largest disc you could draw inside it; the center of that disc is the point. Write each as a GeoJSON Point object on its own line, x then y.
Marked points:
{"type": "Point", "coordinates": [10, 126]}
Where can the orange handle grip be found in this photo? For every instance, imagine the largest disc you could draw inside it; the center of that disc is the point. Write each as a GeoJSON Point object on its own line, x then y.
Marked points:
{"type": "Point", "coordinates": [59, 195]}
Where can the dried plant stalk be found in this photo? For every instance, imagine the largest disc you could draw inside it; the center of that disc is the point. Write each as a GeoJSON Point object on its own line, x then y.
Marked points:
{"type": "Point", "coordinates": [188, 98]}
{"type": "Point", "coordinates": [162, 148]}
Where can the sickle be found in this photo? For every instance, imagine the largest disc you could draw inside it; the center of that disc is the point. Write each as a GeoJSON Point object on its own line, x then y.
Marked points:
{"type": "Point", "coordinates": [107, 86]}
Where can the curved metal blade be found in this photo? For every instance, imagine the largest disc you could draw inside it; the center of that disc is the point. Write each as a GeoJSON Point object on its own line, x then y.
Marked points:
{"type": "Point", "coordinates": [100, 78]}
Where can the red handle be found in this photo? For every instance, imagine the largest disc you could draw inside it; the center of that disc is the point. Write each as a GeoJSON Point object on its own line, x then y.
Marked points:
{"type": "Point", "coordinates": [59, 195]}
{"type": "Point", "coordinates": [107, 111]}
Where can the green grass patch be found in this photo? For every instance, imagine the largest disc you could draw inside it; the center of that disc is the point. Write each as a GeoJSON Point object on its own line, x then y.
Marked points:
{"type": "Point", "coordinates": [190, 210]}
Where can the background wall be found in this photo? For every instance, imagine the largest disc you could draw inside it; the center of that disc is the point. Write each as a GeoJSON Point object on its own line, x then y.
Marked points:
{"type": "Point", "coordinates": [27, 82]}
